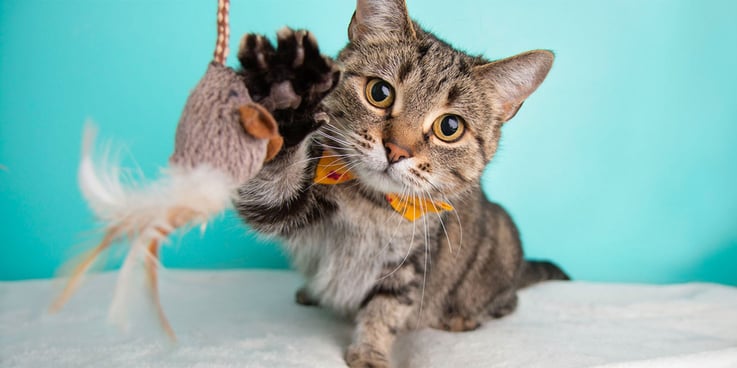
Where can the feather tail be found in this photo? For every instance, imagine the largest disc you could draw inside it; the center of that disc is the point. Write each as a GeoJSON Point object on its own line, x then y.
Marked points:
{"type": "Point", "coordinates": [75, 279]}
{"type": "Point", "coordinates": [145, 215]}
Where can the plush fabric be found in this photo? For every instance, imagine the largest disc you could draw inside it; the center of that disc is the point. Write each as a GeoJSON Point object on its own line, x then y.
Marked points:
{"type": "Point", "coordinates": [210, 129]}
{"type": "Point", "coordinates": [249, 319]}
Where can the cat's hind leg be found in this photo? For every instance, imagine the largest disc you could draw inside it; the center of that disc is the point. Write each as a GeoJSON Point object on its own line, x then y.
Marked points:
{"type": "Point", "coordinates": [461, 318]}
{"type": "Point", "coordinates": [303, 297]}
{"type": "Point", "coordinates": [502, 306]}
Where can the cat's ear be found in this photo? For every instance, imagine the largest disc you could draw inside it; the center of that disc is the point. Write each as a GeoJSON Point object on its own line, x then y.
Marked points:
{"type": "Point", "coordinates": [381, 18]}
{"type": "Point", "coordinates": [516, 77]}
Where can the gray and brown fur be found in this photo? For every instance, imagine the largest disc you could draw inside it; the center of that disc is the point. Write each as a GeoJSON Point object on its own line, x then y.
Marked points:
{"type": "Point", "coordinates": [450, 271]}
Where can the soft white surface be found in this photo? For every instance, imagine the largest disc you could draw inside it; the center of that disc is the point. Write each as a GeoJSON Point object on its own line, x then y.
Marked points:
{"type": "Point", "coordinates": [249, 319]}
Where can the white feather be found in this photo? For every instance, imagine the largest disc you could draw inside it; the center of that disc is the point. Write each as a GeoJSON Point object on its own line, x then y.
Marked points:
{"type": "Point", "coordinates": [103, 197]}
{"type": "Point", "coordinates": [146, 213]}
{"type": "Point", "coordinates": [203, 190]}
{"type": "Point", "coordinates": [119, 307]}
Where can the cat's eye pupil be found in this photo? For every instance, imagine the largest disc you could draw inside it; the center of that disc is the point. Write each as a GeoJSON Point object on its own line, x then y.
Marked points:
{"type": "Point", "coordinates": [381, 91]}
{"type": "Point", "coordinates": [449, 125]}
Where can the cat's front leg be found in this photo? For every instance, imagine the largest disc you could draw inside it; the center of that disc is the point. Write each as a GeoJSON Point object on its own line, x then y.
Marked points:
{"type": "Point", "coordinates": [378, 324]}
{"type": "Point", "coordinates": [390, 308]}
{"type": "Point", "coordinates": [290, 81]}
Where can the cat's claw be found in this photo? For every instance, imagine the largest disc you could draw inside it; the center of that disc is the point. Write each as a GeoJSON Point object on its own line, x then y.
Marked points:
{"type": "Point", "coordinates": [290, 80]}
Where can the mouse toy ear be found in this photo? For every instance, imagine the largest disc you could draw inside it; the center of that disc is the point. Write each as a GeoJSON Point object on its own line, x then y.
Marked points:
{"type": "Point", "coordinates": [261, 125]}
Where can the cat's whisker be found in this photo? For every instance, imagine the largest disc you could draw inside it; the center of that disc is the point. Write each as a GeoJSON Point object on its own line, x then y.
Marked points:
{"type": "Point", "coordinates": [399, 217]}
{"type": "Point", "coordinates": [310, 159]}
{"type": "Point", "coordinates": [458, 218]}
{"type": "Point", "coordinates": [320, 137]}
{"type": "Point", "coordinates": [324, 156]}
{"type": "Point", "coordinates": [345, 167]}
{"type": "Point", "coordinates": [332, 148]}
{"type": "Point", "coordinates": [455, 212]}
{"type": "Point", "coordinates": [342, 134]}
{"type": "Point", "coordinates": [442, 224]}
{"type": "Point", "coordinates": [424, 270]}
{"type": "Point", "coordinates": [334, 134]}
{"type": "Point", "coordinates": [337, 131]}
{"type": "Point", "coordinates": [334, 144]}
{"type": "Point", "coordinates": [409, 248]}
{"type": "Point", "coordinates": [340, 140]}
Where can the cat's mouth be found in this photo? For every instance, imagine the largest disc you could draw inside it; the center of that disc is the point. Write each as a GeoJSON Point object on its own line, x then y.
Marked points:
{"type": "Point", "coordinates": [373, 170]}
{"type": "Point", "coordinates": [384, 180]}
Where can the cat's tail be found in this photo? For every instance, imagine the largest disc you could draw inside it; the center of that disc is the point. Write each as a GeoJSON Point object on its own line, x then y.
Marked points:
{"type": "Point", "coordinates": [538, 271]}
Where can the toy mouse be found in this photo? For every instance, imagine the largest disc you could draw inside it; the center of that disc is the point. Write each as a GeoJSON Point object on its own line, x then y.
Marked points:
{"type": "Point", "coordinates": [223, 138]}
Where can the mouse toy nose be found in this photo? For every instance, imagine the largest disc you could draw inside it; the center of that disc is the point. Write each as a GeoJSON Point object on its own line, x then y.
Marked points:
{"type": "Point", "coordinates": [396, 153]}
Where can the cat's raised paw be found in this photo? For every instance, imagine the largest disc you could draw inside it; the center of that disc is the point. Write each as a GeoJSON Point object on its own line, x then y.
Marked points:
{"type": "Point", "coordinates": [290, 80]}
{"type": "Point", "coordinates": [291, 76]}
{"type": "Point", "coordinates": [365, 356]}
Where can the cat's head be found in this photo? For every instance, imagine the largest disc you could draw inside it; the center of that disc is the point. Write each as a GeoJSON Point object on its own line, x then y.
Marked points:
{"type": "Point", "coordinates": [412, 114]}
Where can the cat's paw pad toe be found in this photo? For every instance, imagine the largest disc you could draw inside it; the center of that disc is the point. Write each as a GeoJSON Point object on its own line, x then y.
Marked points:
{"type": "Point", "coordinates": [255, 55]}
{"type": "Point", "coordinates": [291, 76]}
{"type": "Point", "coordinates": [364, 356]}
{"type": "Point", "coordinates": [298, 60]}
{"type": "Point", "coordinates": [459, 324]}
{"type": "Point", "coordinates": [255, 52]}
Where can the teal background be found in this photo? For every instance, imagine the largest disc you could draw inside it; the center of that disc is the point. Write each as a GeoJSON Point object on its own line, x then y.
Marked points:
{"type": "Point", "coordinates": [621, 167]}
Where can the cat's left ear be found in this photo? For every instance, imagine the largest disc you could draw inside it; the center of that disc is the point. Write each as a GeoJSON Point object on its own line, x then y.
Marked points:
{"type": "Point", "coordinates": [515, 78]}
{"type": "Point", "coordinates": [380, 18]}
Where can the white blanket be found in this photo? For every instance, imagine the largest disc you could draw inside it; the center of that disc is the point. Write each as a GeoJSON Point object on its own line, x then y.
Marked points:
{"type": "Point", "coordinates": [249, 319]}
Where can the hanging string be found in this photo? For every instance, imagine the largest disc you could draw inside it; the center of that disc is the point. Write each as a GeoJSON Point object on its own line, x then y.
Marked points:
{"type": "Point", "coordinates": [221, 48]}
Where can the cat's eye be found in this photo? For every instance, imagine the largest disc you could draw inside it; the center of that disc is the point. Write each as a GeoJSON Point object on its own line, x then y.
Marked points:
{"type": "Point", "coordinates": [449, 128]}
{"type": "Point", "coordinates": [379, 93]}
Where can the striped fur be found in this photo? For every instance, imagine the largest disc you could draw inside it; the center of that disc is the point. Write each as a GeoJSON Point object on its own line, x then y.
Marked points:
{"type": "Point", "coordinates": [450, 271]}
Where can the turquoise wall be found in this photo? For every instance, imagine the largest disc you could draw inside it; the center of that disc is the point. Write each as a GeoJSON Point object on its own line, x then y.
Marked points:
{"type": "Point", "coordinates": [622, 167]}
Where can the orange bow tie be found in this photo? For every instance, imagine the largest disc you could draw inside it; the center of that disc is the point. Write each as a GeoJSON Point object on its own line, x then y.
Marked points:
{"type": "Point", "coordinates": [332, 170]}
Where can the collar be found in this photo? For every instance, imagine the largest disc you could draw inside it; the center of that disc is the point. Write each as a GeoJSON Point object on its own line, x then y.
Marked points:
{"type": "Point", "coordinates": [331, 170]}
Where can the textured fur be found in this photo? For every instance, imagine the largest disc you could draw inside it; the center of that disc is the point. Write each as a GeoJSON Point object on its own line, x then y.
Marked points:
{"type": "Point", "coordinates": [360, 258]}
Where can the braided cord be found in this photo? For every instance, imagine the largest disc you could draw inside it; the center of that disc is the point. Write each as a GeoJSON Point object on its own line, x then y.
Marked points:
{"type": "Point", "coordinates": [221, 48]}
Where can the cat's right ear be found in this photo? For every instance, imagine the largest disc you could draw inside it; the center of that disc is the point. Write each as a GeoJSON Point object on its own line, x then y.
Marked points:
{"type": "Point", "coordinates": [381, 19]}
{"type": "Point", "coordinates": [515, 78]}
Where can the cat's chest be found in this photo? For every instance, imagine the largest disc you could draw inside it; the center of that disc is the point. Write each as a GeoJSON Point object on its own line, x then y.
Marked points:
{"type": "Point", "coordinates": [342, 258]}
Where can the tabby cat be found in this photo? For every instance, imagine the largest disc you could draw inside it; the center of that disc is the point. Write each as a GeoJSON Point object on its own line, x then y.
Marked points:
{"type": "Point", "coordinates": [411, 122]}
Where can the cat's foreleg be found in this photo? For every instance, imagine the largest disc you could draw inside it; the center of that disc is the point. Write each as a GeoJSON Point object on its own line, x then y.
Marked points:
{"type": "Point", "coordinates": [377, 326]}
{"type": "Point", "coordinates": [391, 307]}
{"type": "Point", "coordinates": [267, 200]}
{"type": "Point", "coordinates": [291, 81]}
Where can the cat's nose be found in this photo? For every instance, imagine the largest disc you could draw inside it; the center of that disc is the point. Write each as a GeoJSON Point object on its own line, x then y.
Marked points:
{"type": "Point", "coordinates": [396, 153]}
